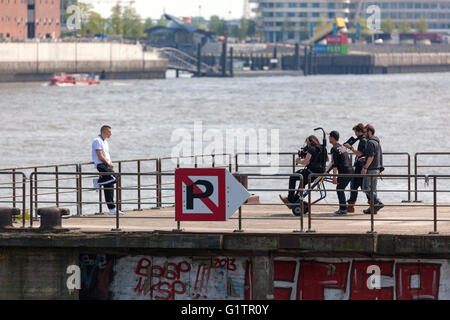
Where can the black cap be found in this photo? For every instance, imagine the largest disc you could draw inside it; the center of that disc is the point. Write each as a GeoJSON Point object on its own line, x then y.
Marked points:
{"type": "Point", "coordinates": [335, 135]}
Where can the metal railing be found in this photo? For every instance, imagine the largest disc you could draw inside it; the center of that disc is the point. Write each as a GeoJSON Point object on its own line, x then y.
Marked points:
{"type": "Point", "coordinates": [417, 166]}
{"type": "Point", "coordinates": [12, 186]}
{"type": "Point", "coordinates": [149, 182]}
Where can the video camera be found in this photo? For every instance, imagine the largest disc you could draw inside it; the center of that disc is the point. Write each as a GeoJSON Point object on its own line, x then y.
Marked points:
{"type": "Point", "coordinates": [302, 152]}
{"type": "Point", "coordinates": [351, 141]}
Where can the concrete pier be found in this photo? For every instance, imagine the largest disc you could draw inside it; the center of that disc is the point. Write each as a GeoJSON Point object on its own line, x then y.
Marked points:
{"type": "Point", "coordinates": [147, 260]}
{"type": "Point", "coordinates": [34, 61]}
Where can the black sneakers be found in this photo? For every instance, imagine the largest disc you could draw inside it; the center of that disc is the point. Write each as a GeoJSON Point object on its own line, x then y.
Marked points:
{"type": "Point", "coordinates": [377, 207]}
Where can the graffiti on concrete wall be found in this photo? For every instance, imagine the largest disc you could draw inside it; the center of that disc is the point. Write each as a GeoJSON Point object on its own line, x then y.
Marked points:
{"type": "Point", "coordinates": [166, 278]}
{"type": "Point", "coordinates": [353, 279]}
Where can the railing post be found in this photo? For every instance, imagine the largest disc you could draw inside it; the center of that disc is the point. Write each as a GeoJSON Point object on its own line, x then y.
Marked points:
{"type": "Point", "coordinates": [309, 206]}
{"type": "Point", "coordinates": [35, 193]}
{"type": "Point", "coordinates": [139, 184]}
{"type": "Point", "coordinates": [239, 221]}
{"type": "Point", "coordinates": [372, 206]}
{"type": "Point", "coordinates": [236, 160]}
{"type": "Point", "coordinates": [31, 198]}
{"type": "Point", "coordinates": [57, 186]}
{"type": "Point", "coordinates": [158, 183]}
{"type": "Point", "coordinates": [24, 199]}
{"type": "Point", "coordinates": [302, 209]}
{"type": "Point", "coordinates": [117, 228]}
{"type": "Point", "coordinates": [434, 206]}
{"type": "Point", "coordinates": [409, 177]}
{"type": "Point", "coordinates": [293, 163]}
{"type": "Point", "coordinates": [119, 186]}
{"type": "Point", "coordinates": [14, 187]}
{"type": "Point", "coordinates": [415, 178]}
{"type": "Point", "coordinates": [78, 185]}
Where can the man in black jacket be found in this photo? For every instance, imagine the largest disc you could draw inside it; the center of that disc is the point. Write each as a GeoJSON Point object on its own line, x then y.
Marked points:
{"type": "Point", "coordinates": [342, 165]}
{"type": "Point", "coordinates": [373, 165]}
{"type": "Point", "coordinates": [356, 182]}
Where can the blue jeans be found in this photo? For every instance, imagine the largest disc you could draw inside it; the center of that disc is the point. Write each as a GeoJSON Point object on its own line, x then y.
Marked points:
{"type": "Point", "coordinates": [366, 185]}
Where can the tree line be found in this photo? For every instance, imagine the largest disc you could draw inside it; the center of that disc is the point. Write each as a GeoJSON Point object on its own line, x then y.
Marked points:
{"type": "Point", "coordinates": [125, 21]}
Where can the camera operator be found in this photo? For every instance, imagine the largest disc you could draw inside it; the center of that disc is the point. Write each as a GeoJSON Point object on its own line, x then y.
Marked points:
{"type": "Point", "coordinates": [356, 183]}
{"type": "Point", "coordinates": [373, 157]}
{"type": "Point", "coordinates": [313, 164]}
{"type": "Point", "coordinates": [342, 165]}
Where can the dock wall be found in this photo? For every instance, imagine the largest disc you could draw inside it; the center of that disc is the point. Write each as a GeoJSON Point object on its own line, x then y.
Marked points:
{"type": "Point", "coordinates": [163, 266]}
{"type": "Point", "coordinates": [370, 63]}
{"type": "Point", "coordinates": [36, 61]}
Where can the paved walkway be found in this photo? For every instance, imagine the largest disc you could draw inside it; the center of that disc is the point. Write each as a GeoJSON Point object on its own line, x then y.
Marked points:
{"type": "Point", "coordinates": [395, 218]}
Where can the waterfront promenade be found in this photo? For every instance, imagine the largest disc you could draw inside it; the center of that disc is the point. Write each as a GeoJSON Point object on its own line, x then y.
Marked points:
{"type": "Point", "coordinates": [395, 218]}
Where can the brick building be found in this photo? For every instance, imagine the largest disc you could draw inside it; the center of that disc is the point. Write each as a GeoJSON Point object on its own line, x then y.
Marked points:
{"type": "Point", "coordinates": [22, 19]}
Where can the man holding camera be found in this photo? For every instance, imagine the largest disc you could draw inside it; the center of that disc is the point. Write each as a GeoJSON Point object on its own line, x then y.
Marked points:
{"type": "Point", "coordinates": [373, 165]}
{"type": "Point", "coordinates": [313, 164]}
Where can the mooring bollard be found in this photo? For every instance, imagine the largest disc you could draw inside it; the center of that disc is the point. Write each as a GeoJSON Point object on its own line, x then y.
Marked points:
{"type": "Point", "coordinates": [51, 217]}
{"type": "Point", "coordinates": [6, 217]}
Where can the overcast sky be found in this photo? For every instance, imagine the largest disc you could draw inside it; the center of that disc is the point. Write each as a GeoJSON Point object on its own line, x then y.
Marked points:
{"type": "Point", "coordinates": [155, 8]}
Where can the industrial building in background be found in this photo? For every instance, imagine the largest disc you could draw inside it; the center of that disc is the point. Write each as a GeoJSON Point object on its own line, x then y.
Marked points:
{"type": "Point", "coordinates": [28, 19]}
{"type": "Point", "coordinates": [289, 20]}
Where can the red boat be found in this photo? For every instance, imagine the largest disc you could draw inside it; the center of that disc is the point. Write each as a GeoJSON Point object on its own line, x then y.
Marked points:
{"type": "Point", "coordinates": [82, 79]}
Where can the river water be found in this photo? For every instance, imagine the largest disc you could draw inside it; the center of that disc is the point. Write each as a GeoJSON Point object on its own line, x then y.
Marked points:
{"type": "Point", "coordinates": [42, 124]}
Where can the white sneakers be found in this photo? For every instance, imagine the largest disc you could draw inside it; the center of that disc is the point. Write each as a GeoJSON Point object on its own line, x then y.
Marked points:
{"type": "Point", "coordinates": [113, 211]}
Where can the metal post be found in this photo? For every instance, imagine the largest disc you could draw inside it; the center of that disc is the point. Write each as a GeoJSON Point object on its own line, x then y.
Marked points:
{"type": "Point", "coordinates": [236, 160]}
{"type": "Point", "coordinates": [293, 163]}
{"type": "Point", "coordinates": [100, 200]}
{"type": "Point", "coordinates": [434, 206]}
{"type": "Point", "coordinates": [31, 200]}
{"type": "Point", "coordinates": [409, 178]}
{"type": "Point", "coordinates": [296, 57]}
{"type": "Point", "coordinates": [224, 59]}
{"type": "Point", "coordinates": [305, 61]}
{"type": "Point", "coordinates": [35, 192]}
{"type": "Point", "coordinates": [372, 206]}
{"type": "Point", "coordinates": [231, 62]}
{"type": "Point", "coordinates": [24, 197]}
{"type": "Point", "coordinates": [117, 228]}
{"type": "Point", "coordinates": [139, 184]}
{"type": "Point", "coordinates": [239, 221]}
{"type": "Point", "coordinates": [309, 206]}
{"type": "Point", "coordinates": [199, 60]}
{"type": "Point", "coordinates": [14, 187]}
{"type": "Point", "coordinates": [158, 183]}
{"type": "Point", "coordinates": [119, 186]}
{"type": "Point", "coordinates": [81, 189]}
{"type": "Point", "coordinates": [415, 178]}
{"type": "Point", "coordinates": [57, 186]}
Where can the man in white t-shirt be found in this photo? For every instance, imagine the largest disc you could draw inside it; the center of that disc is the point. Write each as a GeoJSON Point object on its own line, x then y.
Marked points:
{"type": "Point", "coordinates": [102, 162]}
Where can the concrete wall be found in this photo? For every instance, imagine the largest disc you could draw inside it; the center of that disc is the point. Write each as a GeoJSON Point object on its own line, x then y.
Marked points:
{"type": "Point", "coordinates": [164, 266]}
{"type": "Point", "coordinates": [411, 59]}
{"type": "Point", "coordinates": [18, 59]}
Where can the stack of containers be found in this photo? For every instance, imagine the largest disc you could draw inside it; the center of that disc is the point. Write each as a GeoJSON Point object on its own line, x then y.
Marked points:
{"type": "Point", "coordinates": [337, 44]}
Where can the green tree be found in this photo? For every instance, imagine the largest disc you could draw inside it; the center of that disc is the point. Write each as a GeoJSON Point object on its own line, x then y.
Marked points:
{"type": "Point", "coordinates": [116, 20]}
{"type": "Point", "coordinates": [132, 23]}
{"type": "Point", "coordinates": [217, 26]}
{"type": "Point", "coordinates": [388, 26]}
{"type": "Point", "coordinates": [363, 28]}
{"type": "Point", "coordinates": [404, 26]}
{"type": "Point", "coordinates": [95, 25]}
{"type": "Point", "coordinates": [162, 22]}
{"type": "Point", "coordinates": [148, 23]}
{"type": "Point", "coordinates": [421, 25]}
{"type": "Point", "coordinates": [251, 31]}
{"type": "Point", "coordinates": [85, 10]}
